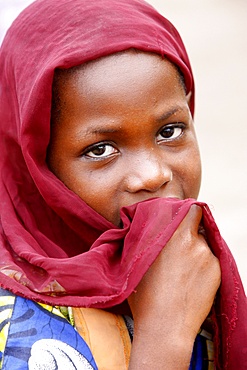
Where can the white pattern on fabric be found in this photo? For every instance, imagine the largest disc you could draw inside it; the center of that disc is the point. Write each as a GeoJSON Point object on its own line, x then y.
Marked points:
{"type": "Point", "coordinates": [52, 354]}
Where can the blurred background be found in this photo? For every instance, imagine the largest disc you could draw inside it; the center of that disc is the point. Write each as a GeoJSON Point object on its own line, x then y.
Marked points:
{"type": "Point", "coordinates": [215, 35]}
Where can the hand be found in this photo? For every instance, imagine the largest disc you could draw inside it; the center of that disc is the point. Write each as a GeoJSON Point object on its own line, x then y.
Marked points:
{"type": "Point", "coordinates": [175, 296]}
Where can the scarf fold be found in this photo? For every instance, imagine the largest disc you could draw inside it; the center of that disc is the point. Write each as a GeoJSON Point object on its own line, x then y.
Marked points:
{"type": "Point", "coordinates": [54, 248]}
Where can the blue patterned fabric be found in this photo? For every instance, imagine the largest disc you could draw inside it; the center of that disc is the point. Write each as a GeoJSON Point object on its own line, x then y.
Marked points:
{"type": "Point", "coordinates": [200, 356]}
{"type": "Point", "coordinates": [34, 337]}
{"type": "Point", "coordinates": [39, 339]}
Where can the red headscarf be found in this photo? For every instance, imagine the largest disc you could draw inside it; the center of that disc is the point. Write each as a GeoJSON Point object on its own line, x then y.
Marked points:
{"type": "Point", "coordinates": [54, 248]}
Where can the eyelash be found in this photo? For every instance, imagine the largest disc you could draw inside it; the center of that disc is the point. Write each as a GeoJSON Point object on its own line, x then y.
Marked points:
{"type": "Point", "coordinates": [173, 127]}
{"type": "Point", "coordinates": [95, 147]}
{"type": "Point", "coordinates": [105, 146]}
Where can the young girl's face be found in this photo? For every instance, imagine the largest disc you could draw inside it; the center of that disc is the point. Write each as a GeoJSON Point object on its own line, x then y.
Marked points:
{"type": "Point", "coordinates": [124, 133]}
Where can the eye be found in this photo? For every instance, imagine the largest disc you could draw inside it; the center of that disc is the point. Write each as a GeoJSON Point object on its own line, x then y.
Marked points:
{"type": "Point", "coordinates": [171, 132]}
{"type": "Point", "coordinates": [99, 151]}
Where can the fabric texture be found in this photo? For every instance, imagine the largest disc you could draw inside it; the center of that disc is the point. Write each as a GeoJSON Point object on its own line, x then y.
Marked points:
{"type": "Point", "coordinates": [57, 344]}
{"type": "Point", "coordinates": [54, 248]}
{"type": "Point", "coordinates": [105, 333]}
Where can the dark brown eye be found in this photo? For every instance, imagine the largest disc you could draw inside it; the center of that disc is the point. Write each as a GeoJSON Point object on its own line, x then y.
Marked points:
{"type": "Point", "coordinates": [170, 132]}
{"type": "Point", "coordinates": [167, 133]}
{"type": "Point", "coordinates": [100, 151]}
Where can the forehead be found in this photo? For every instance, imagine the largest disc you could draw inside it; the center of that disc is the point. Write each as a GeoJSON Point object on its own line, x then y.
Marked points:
{"type": "Point", "coordinates": [122, 76]}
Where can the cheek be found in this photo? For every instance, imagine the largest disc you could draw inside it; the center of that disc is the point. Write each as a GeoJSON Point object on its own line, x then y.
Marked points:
{"type": "Point", "coordinates": [97, 190]}
{"type": "Point", "coordinates": [104, 203]}
{"type": "Point", "coordinates": [192, 174]}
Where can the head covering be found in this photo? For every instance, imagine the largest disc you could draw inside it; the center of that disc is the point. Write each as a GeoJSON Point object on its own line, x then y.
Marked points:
{"type": "Point", "coordinates": [54, 248]}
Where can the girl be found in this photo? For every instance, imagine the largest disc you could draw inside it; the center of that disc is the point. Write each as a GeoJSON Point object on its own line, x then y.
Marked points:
{"type": "Point", "coordinates": [100, 171]}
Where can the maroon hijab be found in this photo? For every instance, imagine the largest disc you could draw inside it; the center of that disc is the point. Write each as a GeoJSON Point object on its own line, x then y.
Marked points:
{"type": "Point", "coordinates": [54, 248]}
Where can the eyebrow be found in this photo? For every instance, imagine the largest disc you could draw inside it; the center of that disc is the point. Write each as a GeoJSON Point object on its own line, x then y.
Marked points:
{"type": "Point", "coordinates": [170, 113]}
{"type": "Point", "coordinates": [110, 130]}
{"type": "Point", "coordinates": [105, 130]}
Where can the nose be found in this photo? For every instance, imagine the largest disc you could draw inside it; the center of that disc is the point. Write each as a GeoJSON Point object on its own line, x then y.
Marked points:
{"type": "Point", "coordinates": [148, 173]}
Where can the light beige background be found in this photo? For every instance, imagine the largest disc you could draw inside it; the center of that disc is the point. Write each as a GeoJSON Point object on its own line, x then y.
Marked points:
{"type": "Point", "coordinates": [215, 34]}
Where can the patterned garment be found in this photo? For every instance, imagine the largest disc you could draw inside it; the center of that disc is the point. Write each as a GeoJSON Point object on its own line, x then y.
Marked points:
{"type": "Point", "coordinates": [35, 337]}
{"type": "Point", "coordinates": [203, 353]}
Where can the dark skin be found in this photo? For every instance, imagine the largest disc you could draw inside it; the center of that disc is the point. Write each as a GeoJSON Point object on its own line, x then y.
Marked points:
{"type": "Point", "coordinates": [124, 134]}
{"type": "Point", "coordinates": [125, 131]}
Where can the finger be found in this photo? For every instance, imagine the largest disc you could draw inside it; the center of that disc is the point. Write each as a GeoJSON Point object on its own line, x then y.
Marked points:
{"type": "Point", "coordinates": [193, 219]}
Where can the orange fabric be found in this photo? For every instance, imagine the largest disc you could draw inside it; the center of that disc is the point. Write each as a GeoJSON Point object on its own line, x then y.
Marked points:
{"type": "Point", "coordinates": [106, 335]}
